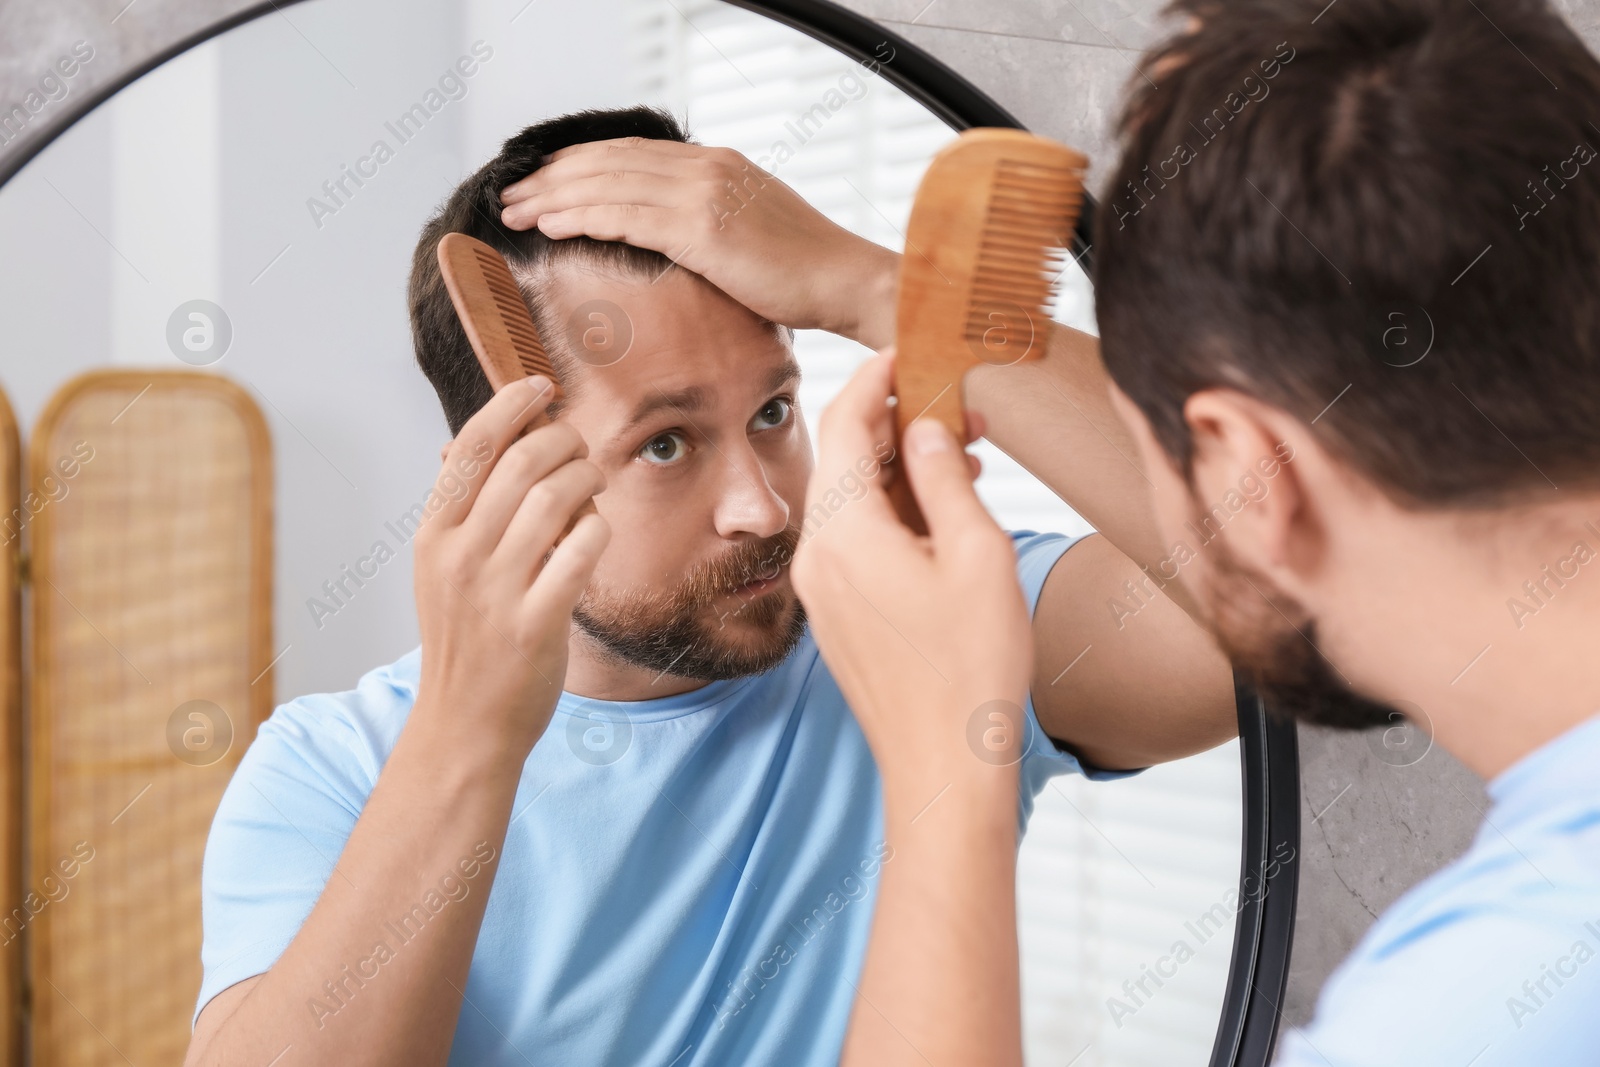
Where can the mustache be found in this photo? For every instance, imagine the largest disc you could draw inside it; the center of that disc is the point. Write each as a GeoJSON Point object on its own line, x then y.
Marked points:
{"type": "Point", "coordinates": [746, 562]}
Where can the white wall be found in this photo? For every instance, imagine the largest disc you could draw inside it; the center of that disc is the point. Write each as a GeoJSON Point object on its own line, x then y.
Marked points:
{"type": "Point", "coordinates": [180, 188]}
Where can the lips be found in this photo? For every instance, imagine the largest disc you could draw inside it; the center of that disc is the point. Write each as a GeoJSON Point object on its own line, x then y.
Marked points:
{"type": "Point", "coordinates": [767, 581]}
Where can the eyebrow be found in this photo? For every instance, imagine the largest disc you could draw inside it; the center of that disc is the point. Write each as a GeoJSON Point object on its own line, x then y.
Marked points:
{"type": "Point", "coordinates": [694, 398]}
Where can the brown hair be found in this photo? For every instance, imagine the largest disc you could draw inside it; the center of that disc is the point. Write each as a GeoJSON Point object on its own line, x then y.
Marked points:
{"type": "Point", "coordinates": [1377, 215]}
{"type": "Point", "coordinates": [441, 345]}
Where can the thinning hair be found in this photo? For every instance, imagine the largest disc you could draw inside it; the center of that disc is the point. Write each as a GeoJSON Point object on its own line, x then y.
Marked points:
{"type": "Point", "coordinates": [442, 349]}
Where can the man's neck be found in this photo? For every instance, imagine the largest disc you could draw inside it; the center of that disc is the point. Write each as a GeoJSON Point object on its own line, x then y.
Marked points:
{"type": "Point", "coordinates": [1444, 633]}
{"type": "Point", "coordinates": [1525, 689]}
{"type": "Point", "coordinates": [594, 672]}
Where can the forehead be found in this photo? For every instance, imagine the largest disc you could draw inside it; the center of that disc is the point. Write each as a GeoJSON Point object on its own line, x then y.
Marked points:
{"type": "Point", "coordinates": [628, 339]}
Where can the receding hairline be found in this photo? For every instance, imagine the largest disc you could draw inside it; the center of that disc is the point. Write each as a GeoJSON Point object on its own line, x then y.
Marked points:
{"type": "Point", "coordinates": [536, 279]}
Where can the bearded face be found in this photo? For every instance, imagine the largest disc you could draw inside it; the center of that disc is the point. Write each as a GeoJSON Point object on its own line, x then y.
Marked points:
{"type": "Point", "coordinates": [729, 617]}
{"type": "Point", "coordinates": [1272, 638]}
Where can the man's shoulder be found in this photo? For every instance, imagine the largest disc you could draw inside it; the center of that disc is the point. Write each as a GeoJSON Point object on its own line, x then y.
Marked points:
{"type": "Point", "coordinates": [1037, 554]}
{"type": "Point", "coordinates": [1042, 546]}
{"type": "Point", "coordinates": [1456, 970]}
{"type": "Point", "coordinates": [381, 694]}
{"type": "Point", "coordinates": [1534, 882]}
{"type": "Point", "coordinates": [1026, 541]}
{"type": "Point", "coordinates": [356, 727]}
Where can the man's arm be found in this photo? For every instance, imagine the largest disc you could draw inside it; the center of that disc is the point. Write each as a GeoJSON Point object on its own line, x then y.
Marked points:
{"type": "Point", "coordinates": [1151, 686]}
{"type": "Point", "coordinates": [936, 672]}
{"type": "Point", "coordinates": [432, 806]}
{"type": "Point", "coordinates": [1125, 674]}
{"type": "Point", "coordinates": [494, 624]}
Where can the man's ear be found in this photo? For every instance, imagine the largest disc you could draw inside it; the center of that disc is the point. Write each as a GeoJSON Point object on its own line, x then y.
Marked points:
{"type": "Point", "coordinates": [1257, 474]}
{"type": "Point", "coordinates": [444, 450]}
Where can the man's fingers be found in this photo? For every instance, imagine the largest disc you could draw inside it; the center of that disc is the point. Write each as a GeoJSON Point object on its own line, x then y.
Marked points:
{"type": "Point", "coordinates": [655, 228]}
{"type": "Point", "coordinates": [566, 573]}
{"type": "Point", "coordinates": [483, 440]}
{"type": "Point", "coordinates": [848, 513]}
{"type": "Point", "coordinates": [620, 151]}
{"type": "Point", "coordinates": [543, 513]}
{"type": "Point", "coordinates": [517, 474]}
{"type": "Point", "coordinates": [941, 478]}
{"type": "Point", "coordinates": [666, 158]}
{"type": "Point", "coordinates": [854, 439]}
{"type": "Point", "coordinates": [607, 187]}
{"type": "Point", "coordinates": [977, 425]}
{"type": "Point", "coordinates": [859, 416]}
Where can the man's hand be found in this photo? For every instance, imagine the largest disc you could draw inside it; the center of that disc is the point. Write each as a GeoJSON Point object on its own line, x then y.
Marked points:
{"type": "Point", "coordinates": [715, 213]}
{"type": "Point", "coordinates": [928, 637]}
{"type": "Point", "coordinates": [493, 609]}
{"type": "Point", "coordinates": [495, 613]}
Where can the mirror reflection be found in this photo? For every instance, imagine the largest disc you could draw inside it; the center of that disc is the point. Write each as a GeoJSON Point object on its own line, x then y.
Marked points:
{"type": "Point", "coordinates": [251, 211]}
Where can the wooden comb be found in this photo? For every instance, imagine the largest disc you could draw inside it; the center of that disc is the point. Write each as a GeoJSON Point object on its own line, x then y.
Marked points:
{"type": "Point", "coordinates": [497, 322]}
{"type": "Point", "coordinates": [987, 242]}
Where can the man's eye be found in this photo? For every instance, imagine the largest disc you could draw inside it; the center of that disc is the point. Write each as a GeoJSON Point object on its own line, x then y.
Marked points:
{"type": "Point", "coordinates": [774, 413]}
{"type": "Point", "coordinates": [664, 448]}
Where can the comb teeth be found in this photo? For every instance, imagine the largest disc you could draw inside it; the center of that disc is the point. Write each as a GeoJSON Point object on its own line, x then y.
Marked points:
{"type": "Point", "coordinates": [514, 314]}
{"type": "Point", "coordinates": [989, 227]}
{"type": "Point", "coordinates": [1027, 228]}
{"type": "Point", "coordinates": [500, 328]}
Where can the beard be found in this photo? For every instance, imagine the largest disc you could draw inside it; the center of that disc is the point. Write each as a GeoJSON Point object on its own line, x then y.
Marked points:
{"type": "Point", "coordinates": [1271, 638]}
{"type": "Point", "coordinates": [680, 632]}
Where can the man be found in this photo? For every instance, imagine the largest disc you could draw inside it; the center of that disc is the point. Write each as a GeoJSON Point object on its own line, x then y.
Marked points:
{"type": "Point", "coordinates": [633, 722]}
{"type": "Point", "coordinates": [1388, 266]}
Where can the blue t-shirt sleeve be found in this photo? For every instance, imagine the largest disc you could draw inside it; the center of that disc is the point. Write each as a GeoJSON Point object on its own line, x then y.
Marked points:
{"type": "Point", "coordinates": [277, 833]}
{"type": "Point", "coordinates": [1037, 553]}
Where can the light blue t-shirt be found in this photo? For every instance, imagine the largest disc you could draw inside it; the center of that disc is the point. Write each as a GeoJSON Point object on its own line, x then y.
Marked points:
{"type": "Point", "coordinates": [684, 881]}
{"type": "Point", "coordinates": [1494, 961]}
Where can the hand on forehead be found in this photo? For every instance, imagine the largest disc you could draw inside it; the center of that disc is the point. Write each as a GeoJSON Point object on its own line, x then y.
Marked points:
{"type": "Point", "coordinates": [620, 339]}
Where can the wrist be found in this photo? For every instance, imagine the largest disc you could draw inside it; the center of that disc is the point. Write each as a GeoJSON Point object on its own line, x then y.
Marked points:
{"type": "Point", "coordinates": [459, 745]}
{"type": "Point", "coordinates": [971, 793]}
{"type": "Point", "coordinates": [872, 290]}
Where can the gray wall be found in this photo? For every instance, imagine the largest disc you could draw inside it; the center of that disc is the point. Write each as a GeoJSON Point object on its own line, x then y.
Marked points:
{"type": "Point", "coordinates": [1376, 818]}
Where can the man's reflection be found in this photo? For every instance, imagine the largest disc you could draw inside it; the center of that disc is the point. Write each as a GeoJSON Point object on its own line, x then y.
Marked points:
{"type": "Point", "coordinates": [630, 736]}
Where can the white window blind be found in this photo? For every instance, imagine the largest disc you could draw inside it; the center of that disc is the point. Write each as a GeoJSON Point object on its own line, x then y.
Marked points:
{"type": "Point", "coordinates": [1111, 875]}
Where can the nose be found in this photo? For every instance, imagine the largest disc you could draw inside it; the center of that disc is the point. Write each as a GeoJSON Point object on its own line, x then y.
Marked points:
{"type": "Point", "coordinates": [747, 502]}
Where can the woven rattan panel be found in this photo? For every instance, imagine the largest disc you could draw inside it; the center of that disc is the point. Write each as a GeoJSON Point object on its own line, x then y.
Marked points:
{"type": "Point", "coordinates": [13, 520]}
{"type": "Point", "coordinates": [151, 624]}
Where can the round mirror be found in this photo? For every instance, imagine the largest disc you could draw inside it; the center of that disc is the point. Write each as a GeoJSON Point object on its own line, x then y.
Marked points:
{"type": "Point", "coordinates": [249, 209]}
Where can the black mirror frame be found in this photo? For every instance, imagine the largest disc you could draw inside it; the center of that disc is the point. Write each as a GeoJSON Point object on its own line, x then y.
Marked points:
{"type": "Point", "coordinates": [1268, 748]}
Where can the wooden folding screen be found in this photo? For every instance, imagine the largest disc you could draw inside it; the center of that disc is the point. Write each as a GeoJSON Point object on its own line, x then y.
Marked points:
{"type": "Point", "coordinates": [150, 614]}
{"type": "Point", "coordinates": [13, 517]}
